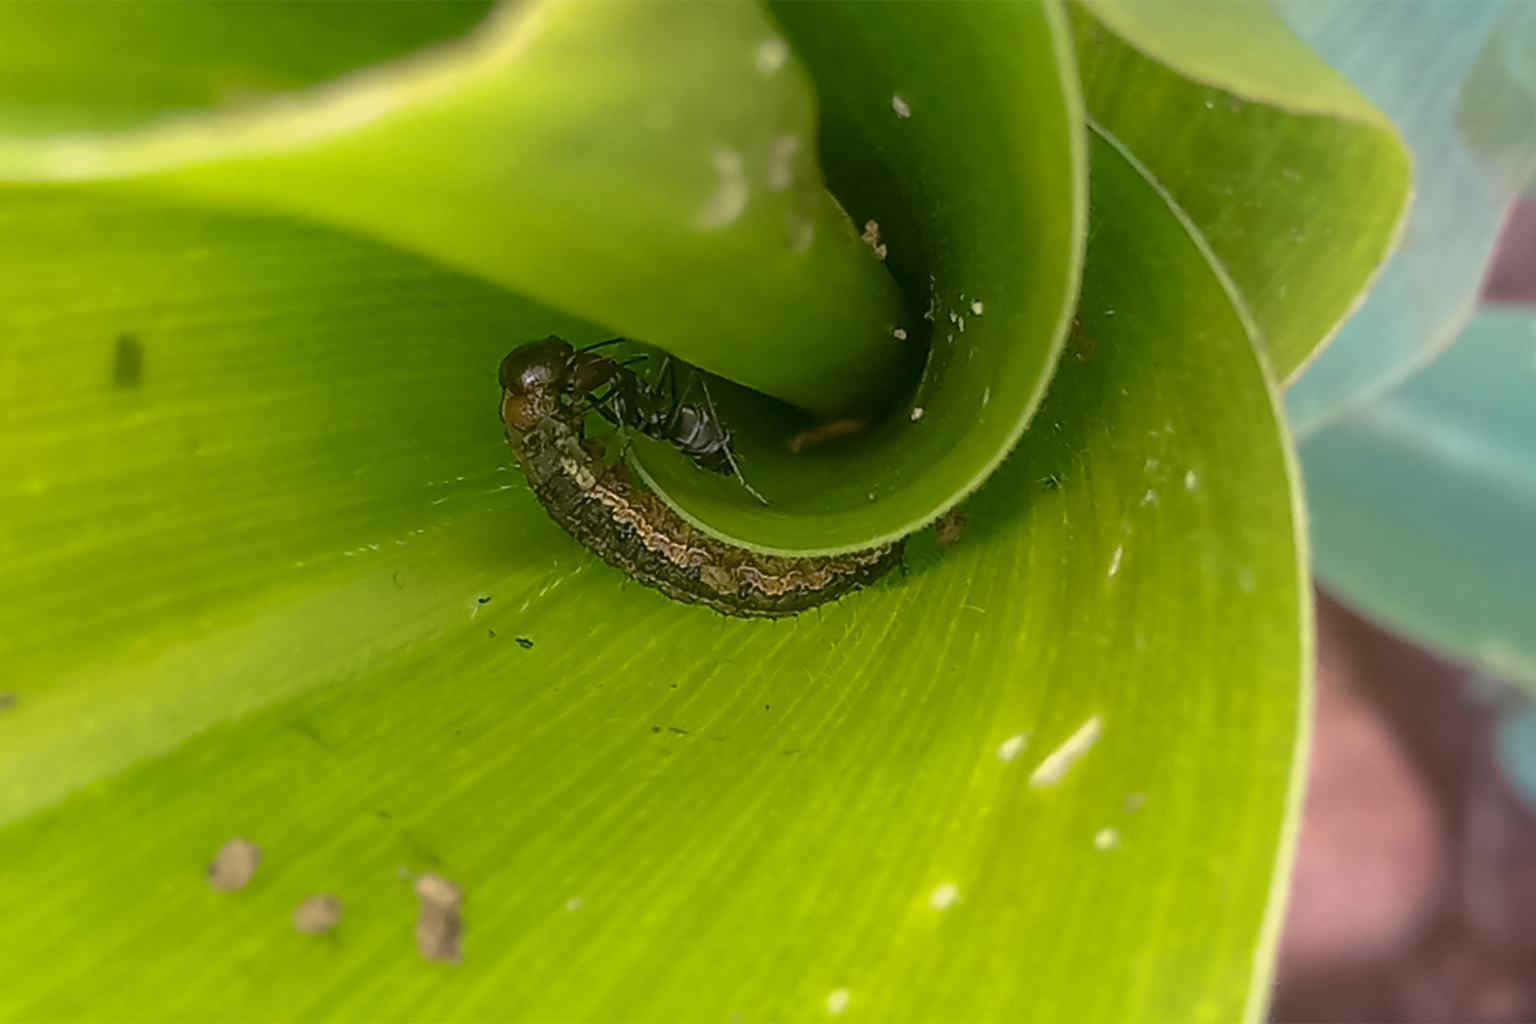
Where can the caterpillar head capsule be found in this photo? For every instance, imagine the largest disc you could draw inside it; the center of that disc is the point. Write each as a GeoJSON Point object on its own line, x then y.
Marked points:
{"type": "Point", "coordinates": [532, 380]}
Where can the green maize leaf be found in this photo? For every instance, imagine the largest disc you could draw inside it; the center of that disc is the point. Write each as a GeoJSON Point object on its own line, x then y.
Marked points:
{"type": "Point", "coordinates": [293, 502]}
{"type": "Point", "coordinates": [1296, 181]}
{"type": "Point", "coordinates": [268, 569]}
{"type": "Point", "coordinates": [996, 271]}
{"type": "Point", "coordinates": [592, 168]}
{"type": "Point", "coordinates": [101, 67]}
{"type": "Point", "coordinates": [552, 210]}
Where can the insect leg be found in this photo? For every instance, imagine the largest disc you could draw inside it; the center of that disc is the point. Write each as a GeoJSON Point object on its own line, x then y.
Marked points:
{"type": "Point", "coordinates": [605, 408]}
{"type": "Point", "coordinates": [669, 386]}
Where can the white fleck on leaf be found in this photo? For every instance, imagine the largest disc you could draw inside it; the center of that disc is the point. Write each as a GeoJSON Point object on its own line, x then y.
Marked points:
{"type": "Point", "coordinates": [837, 1001]}
{"type": "Point", "coordinates": [1012, 747]}
{"type": "Point", "coordinates": [871, 238]}
{"type": "Point", "coordinates": [944, 897]}
{"type": "Point", "coordinates": [730, 196]}
{"type": "Point", "coordinates": [1056, 763]}
{"type": "Point", "coordinates": [781, 161]}
{"type": "Point", "coordinates": [771, 54]}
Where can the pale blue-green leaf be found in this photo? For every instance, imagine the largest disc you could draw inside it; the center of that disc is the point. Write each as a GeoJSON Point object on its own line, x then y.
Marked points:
{"type": "Point", "coordinates": [1515, 747]}
{"type": "Point", "coordinates": [1423, 503]}
{"type": "Point", "coordinates": [1497, 104]}
{"type": "Point", "coordinates": [1410, 59]}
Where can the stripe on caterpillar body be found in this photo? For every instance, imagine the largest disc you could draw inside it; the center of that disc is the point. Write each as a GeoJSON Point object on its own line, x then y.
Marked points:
{"type": "Point", "coordinates": [635, 531]}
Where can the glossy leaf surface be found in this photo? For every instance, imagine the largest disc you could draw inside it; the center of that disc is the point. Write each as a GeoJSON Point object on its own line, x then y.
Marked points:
{"type": "Point", "coordinates": [269, 570]}
{"type": "Point", "coordinates": [100, 67]}
{"type": "Point", "coordinates": [987, 249]}
{"type": "Point", "coordinates": [751, 816]}
{"type": "Point", "coordinates": [550, 210]}
{"type": "Point", "coordinates": [1297, 182]}
{"type": "Point", "coordinates": [561, 118]}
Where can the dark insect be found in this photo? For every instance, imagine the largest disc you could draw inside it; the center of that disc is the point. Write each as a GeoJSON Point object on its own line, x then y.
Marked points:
{"type": "Point", "coordinates": [660, 413]}
{"type": "Point", "coordinates": [547, 388]}
{"type": "Point", "coordinates": [949, 528]}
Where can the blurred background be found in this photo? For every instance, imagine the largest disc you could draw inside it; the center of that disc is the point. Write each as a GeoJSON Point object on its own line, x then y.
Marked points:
{"type": "Point", "coordinates": [1414, 894]}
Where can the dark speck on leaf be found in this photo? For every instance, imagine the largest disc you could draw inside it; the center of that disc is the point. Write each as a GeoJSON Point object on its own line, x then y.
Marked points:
{"type": "Point", "coordinates": [418, 847]}
{"type": "Point", "coordinates": [949, 528]}
{"type": "Point", "coordinates": [383, 814]}
{"type": "Point", "coordinates": [680, 732]}
{"type": "Point", "coordinates": [655, 728]}
{"type": "Point", "coordinates": [483, 600]}
{"type": "Point", "coordinates": [7, 700]}
{"type": "Point", "coordinates": [127, 363]}
{"type": "Point", "coordinates": [524, 642]}
{"type": "Point", "coordinates": [491, 633]}
{"type": "Point", "coordinates": [1084, 343]}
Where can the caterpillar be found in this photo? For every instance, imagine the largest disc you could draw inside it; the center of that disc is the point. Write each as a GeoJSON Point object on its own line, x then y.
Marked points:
{"type": "Point", "coordinates": [546, 389]}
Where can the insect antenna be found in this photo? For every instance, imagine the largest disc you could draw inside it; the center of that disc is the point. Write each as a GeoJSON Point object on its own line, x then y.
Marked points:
{"type": "Point", "coordinates": [725, 449]}
{"type": "Point", "coordinates": [603, 344]}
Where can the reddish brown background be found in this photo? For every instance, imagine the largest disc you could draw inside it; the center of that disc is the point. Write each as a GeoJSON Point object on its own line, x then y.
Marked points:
{"type": "Point", "coordinates": [1414, 894]}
